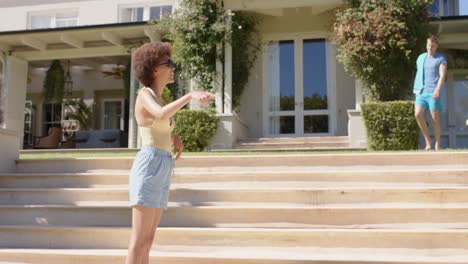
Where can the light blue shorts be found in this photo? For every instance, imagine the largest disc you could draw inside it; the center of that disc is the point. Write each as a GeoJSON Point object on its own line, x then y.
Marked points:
{"type": "Point", "coordinates": [425, 100]}
{"type": "Point", "coordinates": [150, 178]}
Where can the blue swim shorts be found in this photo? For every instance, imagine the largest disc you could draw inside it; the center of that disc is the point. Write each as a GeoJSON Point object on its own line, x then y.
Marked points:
{"type": "Point", "coordinates": [425, 100]}
{"type": "Point", "coordinates": [150, 178]}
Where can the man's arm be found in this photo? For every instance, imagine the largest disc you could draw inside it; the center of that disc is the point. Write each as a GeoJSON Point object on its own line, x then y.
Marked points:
{"type": "Point", "coordinates": [442, 77]}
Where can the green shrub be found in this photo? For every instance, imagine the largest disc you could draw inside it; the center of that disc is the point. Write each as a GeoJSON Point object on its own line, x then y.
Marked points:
{"type": "Point", "coordinates": [167, 96]}
{"type": "Point", "coordinates": [195, 128]}
{"type": "Point", "coordinates": [390, 125]}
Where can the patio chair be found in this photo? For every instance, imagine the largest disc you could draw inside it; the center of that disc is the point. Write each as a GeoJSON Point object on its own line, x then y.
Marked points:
{"type": "Point", "coordinates": [51, 141]}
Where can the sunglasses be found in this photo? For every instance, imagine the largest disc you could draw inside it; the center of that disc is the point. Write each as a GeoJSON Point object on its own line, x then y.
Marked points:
{"type": "Point", "coordinates": [170, 63]}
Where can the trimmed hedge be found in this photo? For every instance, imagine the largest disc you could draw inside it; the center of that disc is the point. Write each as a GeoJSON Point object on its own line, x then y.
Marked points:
{"type": "Point", "coordinates": [195, 128]}
{"type": "Point", "coordinates": [390, 125]}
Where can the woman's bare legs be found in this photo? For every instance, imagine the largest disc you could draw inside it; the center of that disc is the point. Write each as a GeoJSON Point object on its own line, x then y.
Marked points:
{"type": "Point", "coordinates": [144, 223]}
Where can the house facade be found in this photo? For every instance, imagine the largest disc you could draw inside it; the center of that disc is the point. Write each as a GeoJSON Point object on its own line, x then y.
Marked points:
{"type": "Point", "coordinates": [296, 89]}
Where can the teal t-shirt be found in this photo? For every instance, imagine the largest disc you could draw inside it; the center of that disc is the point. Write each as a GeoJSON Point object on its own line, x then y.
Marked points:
{"type": "Point", "coordinates": [431, 72]}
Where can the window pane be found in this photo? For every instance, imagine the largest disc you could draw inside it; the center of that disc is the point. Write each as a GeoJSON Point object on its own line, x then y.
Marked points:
{"type": "Point", "coordinates": [281, 75]}
{"type": "Point", "coordinates": [166, 10]}
{"type": "Point", "coordinates": [315, 75]}
{"type": "Point", "coordinates": [155, 12]}
{"type": "Point", "coordinates": [28, 124]}
{"type": "Point", "coordinates": [138, 14]}
{"type": "Point", "coordinates": [112, 115]}
{"type": "Point", "coordinates": [52, 116]}
{"type": "Point", "coordinates": [132, 14]}
{"type": "Point", "coordinates": [463, 5]}
{"type": "Point", "coordinates": [66, 22]}
{"type": "Point", "coordinates": [316, 124]}
{"type": "Point", "coordinates": [282, 125]}
{"type": "Point", "coordinates": [287, 73]}
{"type": "Point", "coordinates": [434, 8]}
{"type": "Point", "coordinates": [448, 11]}
{"type": "Point", "coordinates": [69, 19]}
{"type": "Point", "coordinates": [41, 22]}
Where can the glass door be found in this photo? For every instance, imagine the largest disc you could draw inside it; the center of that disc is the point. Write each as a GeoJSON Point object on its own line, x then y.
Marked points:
{"type": "Point", "coordinates": [297, 88]}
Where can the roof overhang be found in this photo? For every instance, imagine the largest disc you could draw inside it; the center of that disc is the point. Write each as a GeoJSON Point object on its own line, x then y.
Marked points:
{"type": "Point", "coordinates": [453, 32]}
{"type": "Point", "coordinates": [274, 7]}
{"type": "Point", "coordinates": [77, 42]}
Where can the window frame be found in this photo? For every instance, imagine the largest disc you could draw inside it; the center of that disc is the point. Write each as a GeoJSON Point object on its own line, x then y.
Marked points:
{"type": "Point", "coordinates": [146, 9]}
{"type": "Point", "coordinates": [103, 112]}
{"type": "Point", "coordinates": [53, 15]}
{"type": "Point", "coordinates": [453, 7]}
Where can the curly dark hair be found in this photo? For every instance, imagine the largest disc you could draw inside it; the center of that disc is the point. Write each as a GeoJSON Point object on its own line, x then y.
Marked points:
{"type": "Point", "coordinates": [146, 58]}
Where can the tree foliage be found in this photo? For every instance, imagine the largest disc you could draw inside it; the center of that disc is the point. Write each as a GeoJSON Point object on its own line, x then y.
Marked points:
{"type": "Point", "coordinates": [378, 42]}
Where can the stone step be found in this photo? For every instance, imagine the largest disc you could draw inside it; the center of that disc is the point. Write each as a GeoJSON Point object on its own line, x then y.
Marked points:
{"type": "Point", "coordinates": [223, 215]}
{"type": "Point", "coordinates": [293, 145]}
{"type": "Point", "coordinates": [296, 139]}
{"type": "Point", "coordinates": [241, 255]}
{"type": "Point", "coordinates": [118, 238]}
{"type": "Point", "coordinates": [264, 193]}
{"type": "Point", "coordinates": [349, 177]}
{"type": "Point", "coordinates": [251, 161]}
{"type": "Point", "coordinates": [286, 149]}
{"type": "Point", "coordinates": [63, 180]}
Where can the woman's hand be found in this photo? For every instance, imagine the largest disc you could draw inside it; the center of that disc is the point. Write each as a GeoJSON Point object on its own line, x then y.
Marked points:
{"type": "Point", "coordinates": [178, 146]}
{"type": "Point", "coordinates": [203, 97]}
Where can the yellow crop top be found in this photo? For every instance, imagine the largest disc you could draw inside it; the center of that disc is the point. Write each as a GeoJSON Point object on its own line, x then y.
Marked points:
{"type": "Point", "coordinates": [157, 135]}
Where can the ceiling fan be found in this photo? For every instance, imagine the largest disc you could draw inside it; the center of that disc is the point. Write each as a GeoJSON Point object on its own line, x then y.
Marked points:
{"type": "Point", "coordinates": [117, 72]}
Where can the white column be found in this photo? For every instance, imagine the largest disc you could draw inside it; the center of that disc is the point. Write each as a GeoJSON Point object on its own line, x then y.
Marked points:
{"type": "Point", "coordinates": [14, 91]}
{"type": "Point", "coordinates": [219, 84]}
{"type": "Point", "coordinates": [359, 94]}
{"type": "Point", "coordinates": [132, 125]}
{"type": "Point", "coordinates": [228, 76]}
{"type": "Point", "coordinates": [16, 74]}
{"type": "Point", "coordinates": [2, 86]}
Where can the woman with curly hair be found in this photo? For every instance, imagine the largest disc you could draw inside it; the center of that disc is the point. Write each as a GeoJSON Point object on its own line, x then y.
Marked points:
{"type": "Point", "coordinates": [153, 165]}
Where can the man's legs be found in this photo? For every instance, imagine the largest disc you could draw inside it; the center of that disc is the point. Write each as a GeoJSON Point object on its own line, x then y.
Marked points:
{"type": "Point", "coordinates": [419, 114]}
{"type": "Point", "coordinates": [436, 125]}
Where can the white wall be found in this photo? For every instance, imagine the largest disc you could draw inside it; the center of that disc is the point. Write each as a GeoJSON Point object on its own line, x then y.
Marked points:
{"type": "Point", "coordinates": [251, 108]}
{"type": "Point", "coordinates": [89, 12]}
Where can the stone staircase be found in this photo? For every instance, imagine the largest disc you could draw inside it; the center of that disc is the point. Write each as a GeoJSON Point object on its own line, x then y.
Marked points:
{"type": "Point", "coordinates": [295, 143]}
{"type": "Point", "coordinates": [281, 209]}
